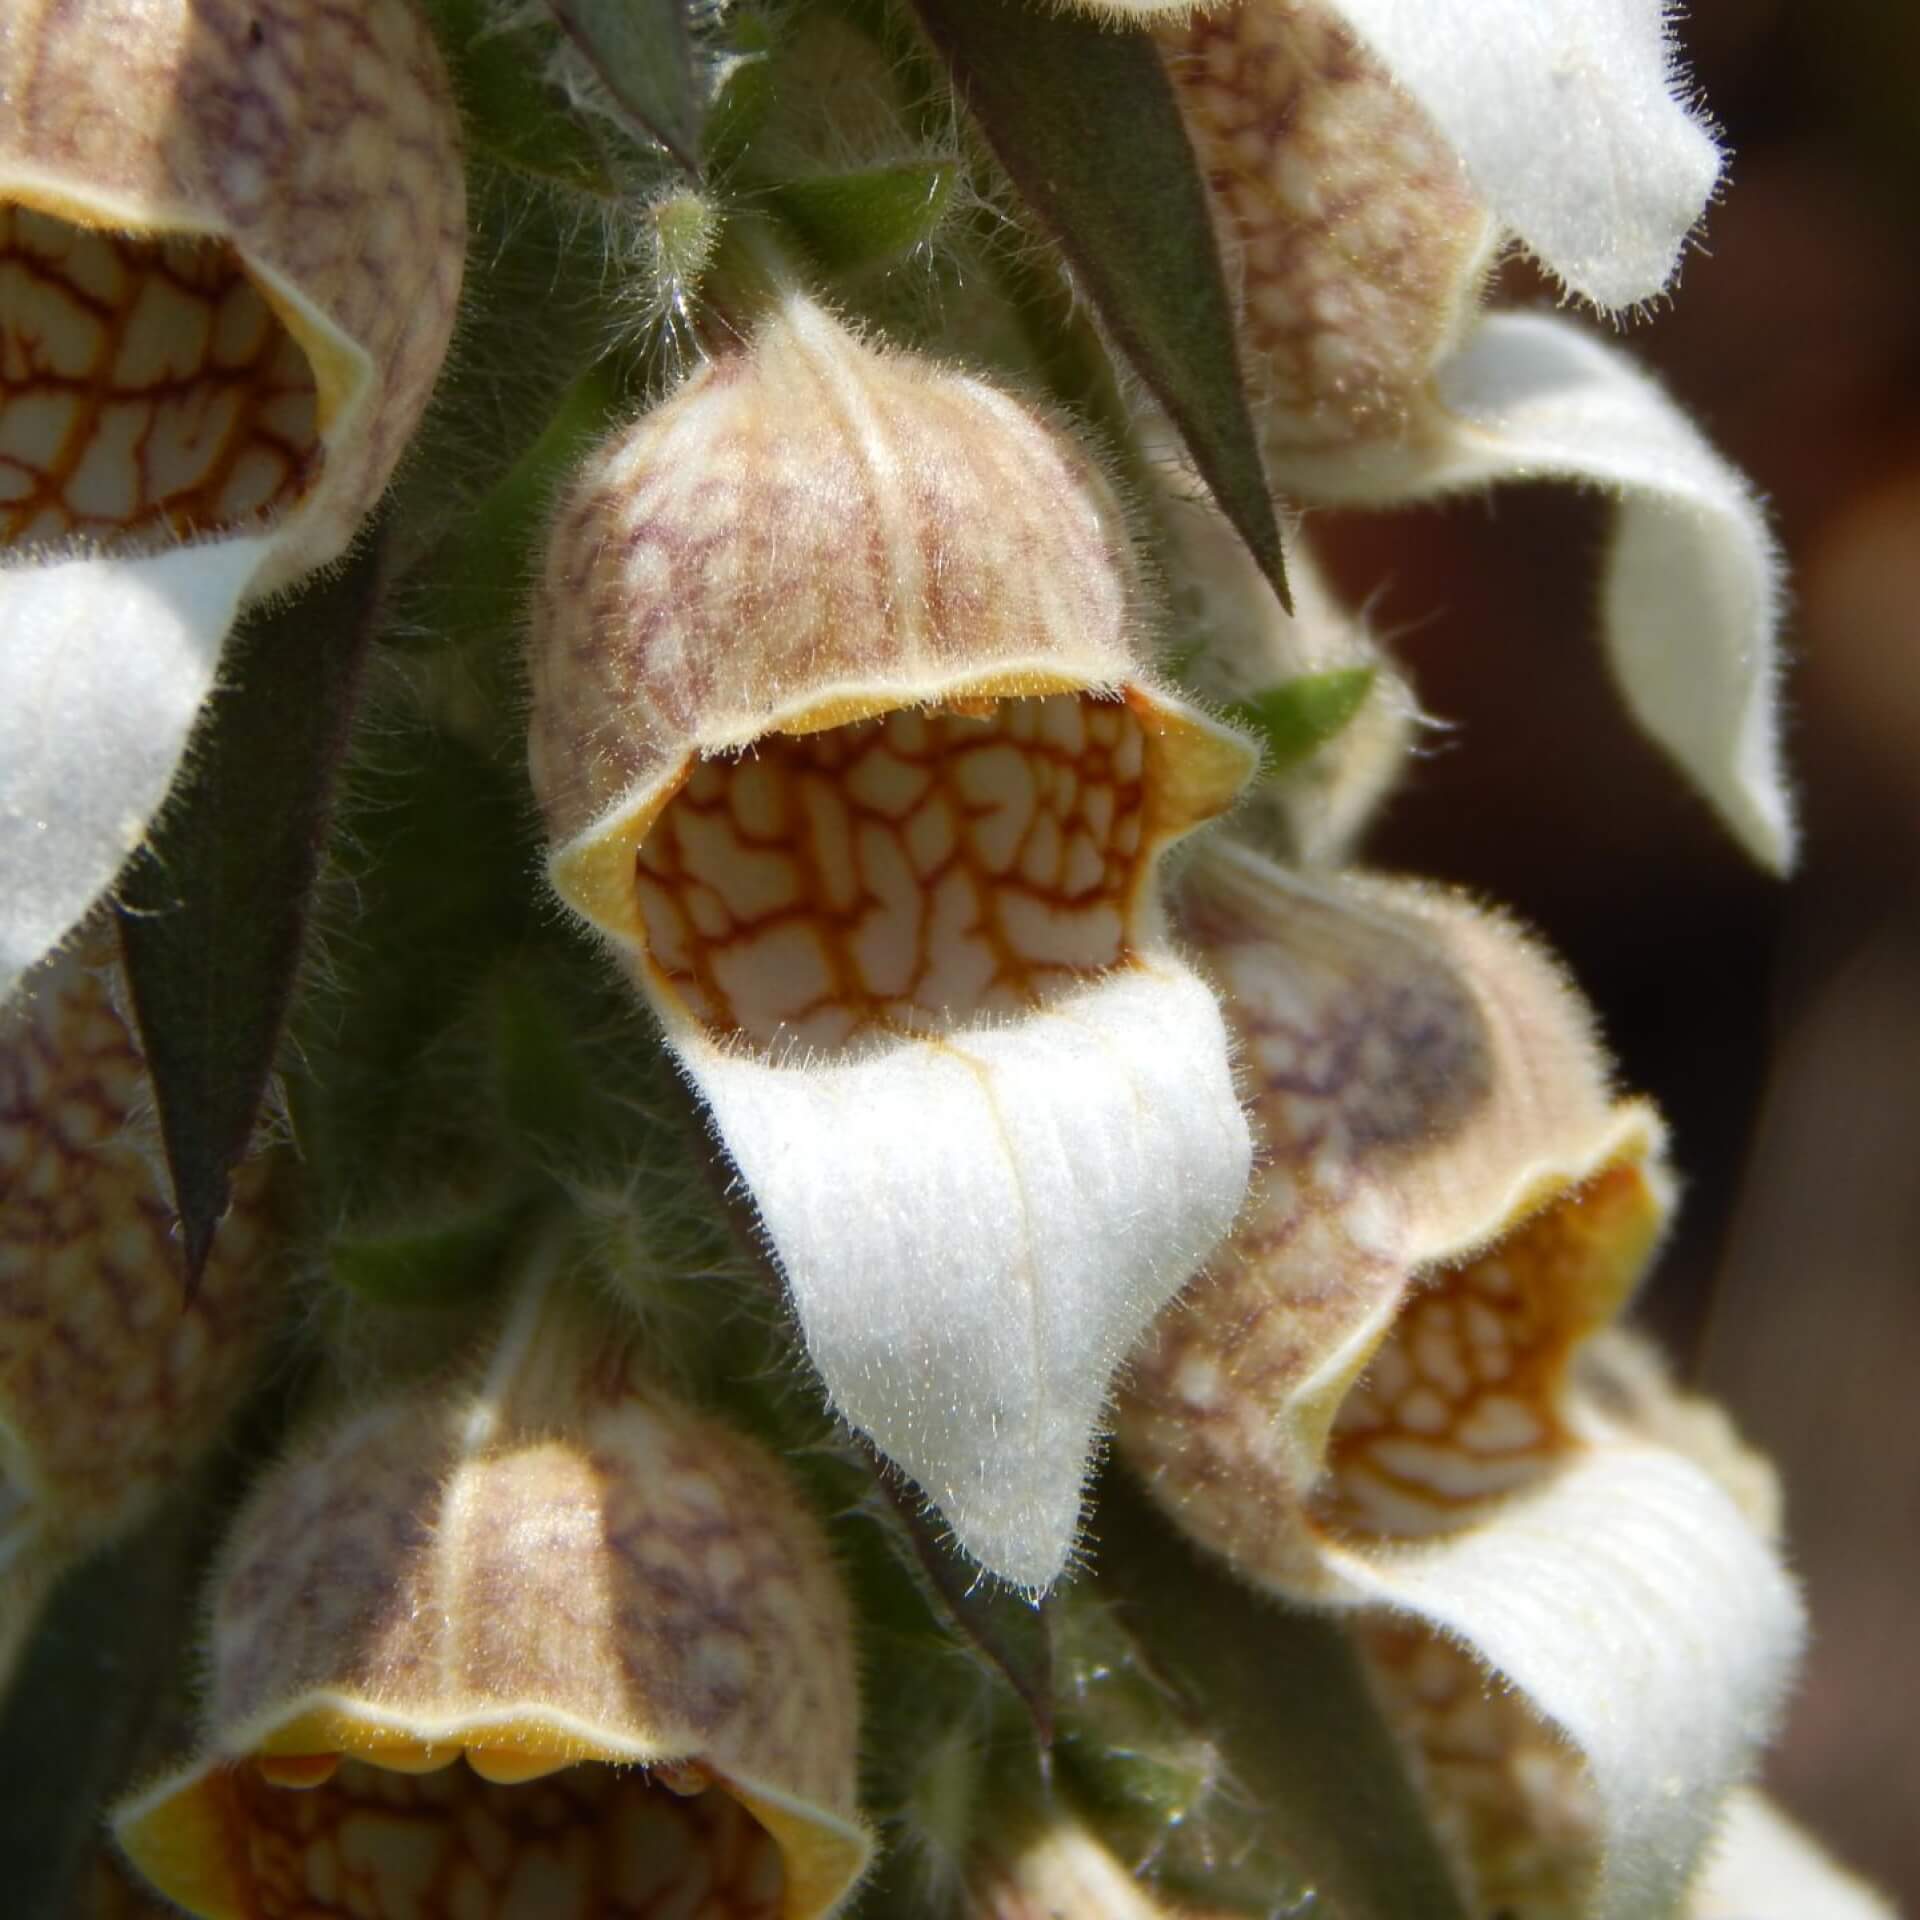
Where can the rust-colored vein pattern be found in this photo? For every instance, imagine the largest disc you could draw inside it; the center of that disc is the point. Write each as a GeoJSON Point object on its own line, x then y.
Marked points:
{"type": "Point", "coordinates": [1357, 240]}
{"type": "Point", "coordinates": [112, 1379]}
{"type": "Point", "coordinates": [1452, 1203]}
{"type": "Point", "coordinates": [147, 391]}
{"type": "Point", "coordinates": [1512, 1801]}
{"type": "Point", "coordinates": [315, 139]}
{"type": "Point", "coordinates": [899, 874]}
{"type": "Point", "coordinates": [1461, 1404]}
{"type": "Point", "coordinates": [589, 1843]}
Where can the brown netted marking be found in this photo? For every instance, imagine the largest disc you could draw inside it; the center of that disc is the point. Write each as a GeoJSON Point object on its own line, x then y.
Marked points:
{"type": "Point", "coordinates": [1510, 1796]}
{"type": "Point", "coordinates": [147, 390]}
{"type": "Point", "coordinates": [1351, 222]}
{"type": "Point", "coordinates": [901, 873]}
{"type": "Point", "coordinates": [590, 1842]}
{"type": "Point", "coordinates": [112, 1376]}
{"type": "Point", "coordinates": [1460, 1405]}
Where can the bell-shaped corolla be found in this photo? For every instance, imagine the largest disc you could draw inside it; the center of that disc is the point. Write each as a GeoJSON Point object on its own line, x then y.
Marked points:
{"type": "Point", "coordinates": [115, 1378]}
{"type": "Point", "coordinates": [1367, 1401]}
{"type": "Point", "coordinates": [550, 1644]}
{"type": "Point", "coordinates": [845, 744]}
{"type": "Point", "coordinates": [1365, 162]}
{"type": "Point", "coordinates": [231, 239]}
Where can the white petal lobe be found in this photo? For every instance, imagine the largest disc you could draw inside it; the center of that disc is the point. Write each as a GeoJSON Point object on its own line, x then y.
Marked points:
{"type": "Point", "coordinates": [1636, 1608]}
{"type": "Point", "coordinates": [104, 663]}
{"type": "Point", "coordinates": [1691, 597]}
{"type": "Point", "coordinates": [1566, 115]}
{"type": "Point", "coordinates": [1764, 1868]}
{"type": "Point", "coordinates": [976, 1228]}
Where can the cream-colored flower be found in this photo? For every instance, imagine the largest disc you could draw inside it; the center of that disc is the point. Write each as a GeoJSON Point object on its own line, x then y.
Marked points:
{"type": "Point", "coordinates": [552, 1645]}
{"type": "Point", "coordinates": [231, 240]}
{"type": "Point", "coordinates": [1366, 162]}
{"type": "Point", "coordinates": [114, 1379]}
{"type": "Point", "coordinates": [1510, 1795]}
{"type": "Point", "coordinates": [1366, 1402]}
{"type": "Point", "coordinates": [845, 743]}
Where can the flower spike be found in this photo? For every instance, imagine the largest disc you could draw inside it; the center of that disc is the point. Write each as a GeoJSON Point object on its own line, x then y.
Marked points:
{"type": "Point", "coordinates": [1362, 237]}
{"type": "Point", "coordinates": [844, 744]}
{"type": "Point", "coordinates": [557, 1644]}
{"type": "Point", "coordinates": [231, 240]}
{"type": "Point", "coordinates": [1366, 1403]}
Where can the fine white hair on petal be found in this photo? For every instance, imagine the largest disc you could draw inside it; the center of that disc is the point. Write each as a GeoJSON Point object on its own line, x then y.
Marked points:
{"type": "Point", "coordinates": [1571, 121]}
{"type": "Point", "coordinates": [105, 664]}
{"type": "Point", "coordinates": [976, 1227]}
{"type": "Point", "coordinates": [1764, 1868]}
{"type": "Point", "coordinates": [1630, 1601]}
{"type": "Point", "coordinates": [1692, 596]}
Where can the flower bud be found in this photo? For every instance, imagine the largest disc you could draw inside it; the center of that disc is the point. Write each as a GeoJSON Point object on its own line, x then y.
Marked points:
{"type": "Point", "coordinates": [114, 1379]}
{"type": "Point", "coordinates": [844, 743]}
{"type": "Point", "coordinates": [231, 240]}
{"type": "Point", "coordinates": [555, 1644]}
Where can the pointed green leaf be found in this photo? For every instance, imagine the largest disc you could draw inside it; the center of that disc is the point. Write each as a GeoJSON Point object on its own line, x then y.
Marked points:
{"type": "Point", "coordinates": [213, 915]}
{"type": "Point", "coordinates": [853, 220]}
{"type": "Point", "coordinates": [642, 53]}
{"type": "Point", "coordinates": [1085, 122]}
{"type": "Point", "coordinates": [1299, 716]}
{"type": "Point", "coordinates": [512, 114]}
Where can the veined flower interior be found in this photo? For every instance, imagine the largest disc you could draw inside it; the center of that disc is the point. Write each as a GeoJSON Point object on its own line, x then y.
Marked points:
{"type": "Point", "coordinates": [1461, 1404]}
{"type": "Point", "coordinates": [426, 1836]}
{"type": "Point", "coordinates": [148, 390]}
{"type": "Point", "coordinates": [905, 873]}
{"type": "Point", "coordinates": [1511, 1795]}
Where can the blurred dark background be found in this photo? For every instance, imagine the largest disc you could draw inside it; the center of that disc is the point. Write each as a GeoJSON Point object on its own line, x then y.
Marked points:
{"type": "Point", "coordinates": [1779, 1026]}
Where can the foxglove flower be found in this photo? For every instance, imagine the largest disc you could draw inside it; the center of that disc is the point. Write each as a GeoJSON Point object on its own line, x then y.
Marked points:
{"type": "Point", "coordinates": [114, 1379]}
{"type": "Point", "coordinates": [1366, 1401]}
{"type": "Point", "coordinates": [1366, 161]}
{"type": "Point", "coordinates": [1571, 120]}
{"type": "Point", "coordinates": [230, 249]}
{"type": "Point", "coordinates": [844, 743]}
{"type": "Point", "coordinates": [1507, 1792]}
{"type": "Point", "coordinates": [553, 1644]}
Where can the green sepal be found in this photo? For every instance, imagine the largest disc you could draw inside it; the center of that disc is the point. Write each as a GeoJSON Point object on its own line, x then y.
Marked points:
{"type": "Point", "coordinates": [642, 53]}
{"type": "Point", "coordinates": [443, 1265]}
{"type": "Point", "coordinates": [511, 113]}
{"type": "Point", "coordinates": [848, 221]}
{"type": "Point", "coordinates": [1300, 716]}
{"type": "Point", "coordinates": [1303, 1795]}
